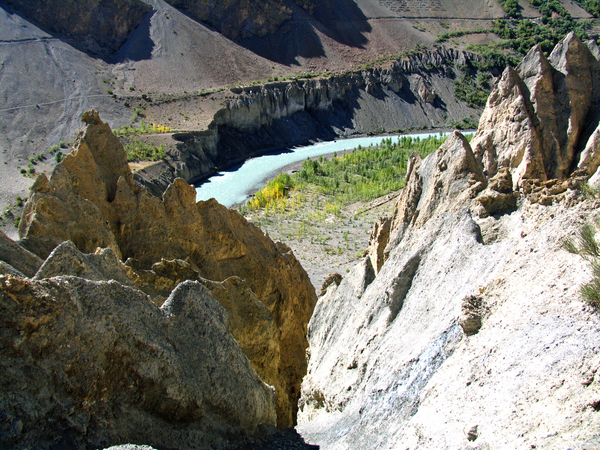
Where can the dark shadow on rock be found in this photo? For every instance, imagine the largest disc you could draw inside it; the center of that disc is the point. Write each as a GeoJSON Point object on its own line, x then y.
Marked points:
{"type": "Point", "coordinates": [439, 103]}
{"type": "Point", "coordinates": [100, 36]}
{"type": "Point", "coordinates": [408, 95]}
{"type": "Point", "coordinates": [139, 45]}
{"type": "Point", "coordinates": [343, 21]}
{"type": "Point", "coordinates": [277, 440]}
{"type": "Point", "coordinates": [340, 20]}
{"type": "Point", "coordinates": [294, 39]}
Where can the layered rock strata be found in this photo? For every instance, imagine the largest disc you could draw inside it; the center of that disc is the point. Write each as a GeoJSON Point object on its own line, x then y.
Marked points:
{"type": "Point", "coordinates": [472, 333]}
{"type": "Point", "coordinates": [92, 200]}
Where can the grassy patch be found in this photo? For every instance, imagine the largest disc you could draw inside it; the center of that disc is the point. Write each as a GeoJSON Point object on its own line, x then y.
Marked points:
{"type": "Point", "coordinates": [151, 128]}
{"type": "Point", "coordinates": [585, 245]}
{"type": "Point", "coordinates": [453, 34]}
{"type": "Point", "coordinates": [139, 151]}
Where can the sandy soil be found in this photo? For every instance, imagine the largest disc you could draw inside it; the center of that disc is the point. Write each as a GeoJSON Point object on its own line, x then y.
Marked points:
{"type": "Point", "coordinates": [323, 242]}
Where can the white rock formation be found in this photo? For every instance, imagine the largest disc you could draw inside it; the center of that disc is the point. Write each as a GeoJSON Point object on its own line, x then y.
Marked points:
{"type": "Point", "coordinates": [472, 334]}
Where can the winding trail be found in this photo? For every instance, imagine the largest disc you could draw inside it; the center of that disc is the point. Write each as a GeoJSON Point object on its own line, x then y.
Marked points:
{"type": "Point", "coordinates": [54, 102]}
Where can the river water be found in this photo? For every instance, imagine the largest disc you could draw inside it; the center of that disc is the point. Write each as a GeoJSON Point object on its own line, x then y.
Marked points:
{"type": "Point", "coordinates": [233, 186]}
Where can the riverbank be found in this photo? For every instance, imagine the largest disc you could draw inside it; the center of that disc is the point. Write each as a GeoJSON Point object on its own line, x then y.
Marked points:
{"type": "Point", "coordinates": [325, 243]}
{"type": "Point", "coordinates": [328, 228]}
{"type": "Point", "coordinates": [232, 187]}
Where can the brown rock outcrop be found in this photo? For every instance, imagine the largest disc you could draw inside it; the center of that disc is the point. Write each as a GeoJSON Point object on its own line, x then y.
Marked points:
{"type": "Point", "coordinates": [379, 238]}
{"type": "Point", "coordinates": [471, 312]}
{"type": "Point", "coordinates": [86, 364]}
{"type": "Point", "coordinates": [92, 200]}
{"type": "Point", "coordinates": [332, 279]}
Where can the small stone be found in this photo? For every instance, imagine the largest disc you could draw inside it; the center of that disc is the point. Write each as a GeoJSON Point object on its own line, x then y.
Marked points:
{"type": "Point", "coordinates": [472, 434]}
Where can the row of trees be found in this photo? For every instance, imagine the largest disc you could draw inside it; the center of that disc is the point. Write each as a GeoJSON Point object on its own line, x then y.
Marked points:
{"type": "Point", "coordinates": [361, 175]}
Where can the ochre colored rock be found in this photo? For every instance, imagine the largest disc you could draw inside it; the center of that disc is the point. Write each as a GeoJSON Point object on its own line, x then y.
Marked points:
{"type": "Point", "coordinates": [87, 364]}
{"type": "Point", "coordinates": [377, 241]}
{"type": "Point", "coordinates": [92, 200]}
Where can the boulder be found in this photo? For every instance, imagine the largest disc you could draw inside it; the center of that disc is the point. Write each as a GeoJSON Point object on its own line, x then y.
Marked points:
{"type": "Point", "coordinates": [67, 260]}
{"type": "Point", "coordinates": [333, 279]}
{"type": "Point", "coordinates": [89, 364]}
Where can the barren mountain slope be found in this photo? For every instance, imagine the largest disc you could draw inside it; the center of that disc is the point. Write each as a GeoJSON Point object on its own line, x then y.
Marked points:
{"type": "Point", "coordinates": [46, 84]}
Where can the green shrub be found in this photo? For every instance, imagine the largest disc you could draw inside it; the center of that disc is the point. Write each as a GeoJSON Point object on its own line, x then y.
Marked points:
{"type": "Point", "coordinates": [445, 36]}
{"type": "Point", "coordinates": [512, 7]}
{"type": "Point", "coordinates": [469, 90]}
{"type": "Point", "coordinates": [585, 245]}
{"type": "Point", "coordinates": [139, 151]}
{"type": "Point", "coordinates": [58, 157]}
{"type": "Point", "coordinates": [361, 175]}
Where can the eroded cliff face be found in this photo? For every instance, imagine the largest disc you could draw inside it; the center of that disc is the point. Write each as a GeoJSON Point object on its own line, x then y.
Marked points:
{"type": "Point", "coordinates": [464, 327]}
{"type": "Point", "coordinates": [412, 92]}
{"type": "Point", "coordinates": [92, 200]}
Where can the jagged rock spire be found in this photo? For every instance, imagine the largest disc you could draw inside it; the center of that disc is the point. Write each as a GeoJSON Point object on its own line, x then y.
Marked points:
{"type": "Point", "coordinates": [540, 118]}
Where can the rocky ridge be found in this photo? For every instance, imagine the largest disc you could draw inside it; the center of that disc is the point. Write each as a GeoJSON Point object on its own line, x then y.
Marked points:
{"type": "Point", "coordinates": [463, 327]}
{"type": "Point", "coordinates": [94, 363]}
{"type": "Point", "coordinates": [150, 246]}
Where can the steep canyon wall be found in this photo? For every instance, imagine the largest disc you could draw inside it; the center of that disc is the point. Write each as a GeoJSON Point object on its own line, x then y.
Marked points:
{"type": "Point", "coordinates": [99, 243]}
{"type": "Point", "coordinates": [413, 93]}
